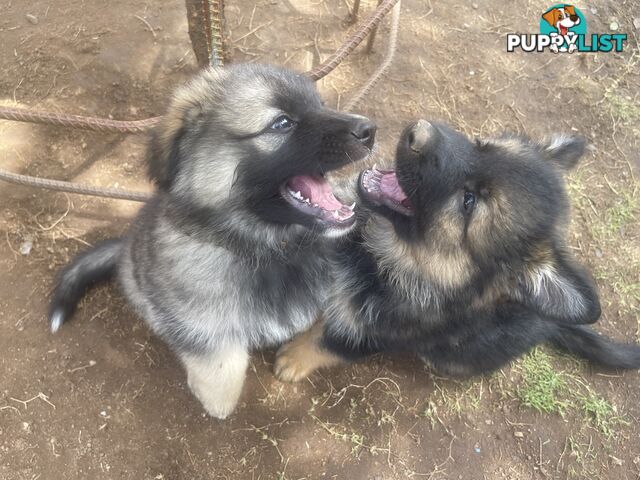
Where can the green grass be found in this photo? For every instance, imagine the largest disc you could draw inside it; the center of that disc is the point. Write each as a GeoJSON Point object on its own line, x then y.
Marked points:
{"type": "Point", "coordinates": [576, 184]}
{"type": "Point", "coordinates": [622, 106]}
{"type": "Point", "coordinates": [614, 229]}
{"type": "Point", "coordinates": [602, 414]}
{"type": "Point", "coordinates": [628, 294]}
{"type": "Point", "coordinates": [630, 290]}
{"type": "Point", "coordinates": [621, 276]}
{"type": "Point", "coordinates": [542, 387]}
{"type": "Point", "coordinates": [620, 214]}
{"type": "Point", "coordinates": [609, 207]}
{"type": "Point", "coordinates": [548, 390]}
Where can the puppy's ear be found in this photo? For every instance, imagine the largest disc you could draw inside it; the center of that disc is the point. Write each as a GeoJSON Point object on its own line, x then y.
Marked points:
{"type": "Point", "coordinates": [556, 287]}
{"type": "Point", "coordinates": [563, 150]}
{"type": "Point", "coordinates": [570, 9]}
{"type": "Point", "coordinates": [163, 152]}
{"type": "Point", "coordinates": [186, 107]}
{"type": "Point", "coordinates": [551, 16]}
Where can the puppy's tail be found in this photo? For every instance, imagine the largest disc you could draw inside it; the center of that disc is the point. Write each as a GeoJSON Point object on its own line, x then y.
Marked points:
{"type": "Point", "coordinates": [585, 342]}
{"type": "Point", "coordinates": [86, 270]}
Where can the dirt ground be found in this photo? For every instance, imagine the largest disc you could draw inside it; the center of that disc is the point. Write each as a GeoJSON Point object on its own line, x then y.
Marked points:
{"type": "Point", "coordinates": [103, 399]}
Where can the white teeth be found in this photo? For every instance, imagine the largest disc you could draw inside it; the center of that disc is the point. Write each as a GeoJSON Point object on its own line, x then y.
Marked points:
{"type": "Point", "coordinates": [297, 195]}
{"type": "Point", "coordinates": [374, 167]}
{"type": "Point", "coordinates": [336, 214]}
{"type": "Point", "coordinates": [352, 206]}
{"type": "Point", "coordinates": [315, 205]}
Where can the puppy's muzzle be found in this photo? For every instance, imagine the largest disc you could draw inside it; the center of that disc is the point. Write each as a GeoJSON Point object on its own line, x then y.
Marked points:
{"type": "Point", "coordinates": [365, 131]}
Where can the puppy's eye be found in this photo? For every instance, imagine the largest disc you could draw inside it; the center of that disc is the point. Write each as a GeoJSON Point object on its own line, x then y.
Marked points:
{"type": "Point", "coordinates": [282, 124]}
{"type": "Point", "coordinates": [469, 201]}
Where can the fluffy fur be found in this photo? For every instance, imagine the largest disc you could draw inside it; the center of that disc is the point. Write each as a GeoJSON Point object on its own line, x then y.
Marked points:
{"type": "Point", "coordinates": [461, 259]}
{"type": "Point", "coordinates": [227, 257]}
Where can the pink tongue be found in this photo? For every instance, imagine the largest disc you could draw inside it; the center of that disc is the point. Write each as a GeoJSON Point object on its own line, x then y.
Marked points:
{"type": "Point", "coordinates": [316, 189]}
{"type": "Point", "coordinates": [390, 187]}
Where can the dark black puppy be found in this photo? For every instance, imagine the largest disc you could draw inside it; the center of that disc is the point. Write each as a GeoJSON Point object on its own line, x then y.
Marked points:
{"type": "Point", "coordinates": [462, 260]}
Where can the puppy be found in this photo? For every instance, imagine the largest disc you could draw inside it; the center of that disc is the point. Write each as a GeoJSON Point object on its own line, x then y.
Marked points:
{"type": "Point", "coordinates": [562, 19]}
{"type": "Point", "coordinates": [462, 260]}
{"type": "Point", "coordinates": [230, 254]}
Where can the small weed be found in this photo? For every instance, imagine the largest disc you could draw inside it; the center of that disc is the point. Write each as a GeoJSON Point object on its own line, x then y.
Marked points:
{"type": "Point", "coordinates": [357, 440]}
{"type": "Point", "coordinates": [431, 413]}
{"type": "Point", "coordinates": [617, 216]}
{"type": "Point", "coordinates": [602, 414]}
{"type": "Point", "coordinates": [629, 299]}
{"type": "Point", "coordinates": [387, 418]}
{"type": "Point", "coordinates": [465, 395]}
{"type": "Point", "coordinates": [629, 293]}
{"type": "Point", "coordinates": [585, 457]}
{"type": "Point", "coordinates": [620, 214]}
{"type": "Point", "coordinates": [542, 386]}
{"type": "Point", "coordinates": [576, 183]}
{"type": "Point", "coordinates": [622, 106]}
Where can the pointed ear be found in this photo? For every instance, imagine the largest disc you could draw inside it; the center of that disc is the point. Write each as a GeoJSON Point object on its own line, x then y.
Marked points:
{"type": "Point", "coordinates": [163, 151]}
{"type": "Point", "coordinates": [558, 288]}
{"type": "Point", "coordinates": [563, 150]}
{"type": "Point", "coordinates": [182, 114]}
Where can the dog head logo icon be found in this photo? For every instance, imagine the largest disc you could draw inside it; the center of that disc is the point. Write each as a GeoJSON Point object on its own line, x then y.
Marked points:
{"type": "Point", "coordinates": [564, 22]}
{"type": "Point", "coordinates": [562, 18]}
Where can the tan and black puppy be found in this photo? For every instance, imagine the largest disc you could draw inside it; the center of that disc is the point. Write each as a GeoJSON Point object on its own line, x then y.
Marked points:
{"type": "Point", "coordinates": [461, 259]}
{"type": "Point", "coordinates": [230, 254]}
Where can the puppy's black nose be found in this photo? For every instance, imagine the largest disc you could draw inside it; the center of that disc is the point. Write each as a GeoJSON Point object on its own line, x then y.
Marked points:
{"type": "Point", "coordinates": [422, 134]}
{"type": "Point", "coordinates": [574, 18]}
{"type": "Point", "coordinates": [365, 131]}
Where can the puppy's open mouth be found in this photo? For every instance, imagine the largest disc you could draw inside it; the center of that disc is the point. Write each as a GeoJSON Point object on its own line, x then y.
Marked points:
{"type": "Point", "coordinates": [312, 195]}
{"type": "Point", "coordinates": [381, 187]}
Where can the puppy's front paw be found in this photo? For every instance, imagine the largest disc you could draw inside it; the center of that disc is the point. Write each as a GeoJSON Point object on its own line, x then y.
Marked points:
{"type": "Point", "coordinates": [302, 356]}
{"type": "Point", "coordinates": [292, 363]}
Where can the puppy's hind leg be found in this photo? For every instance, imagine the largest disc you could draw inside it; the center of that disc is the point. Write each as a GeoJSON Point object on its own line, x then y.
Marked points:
{"type": "Point", "coordinates": [216, 378]}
